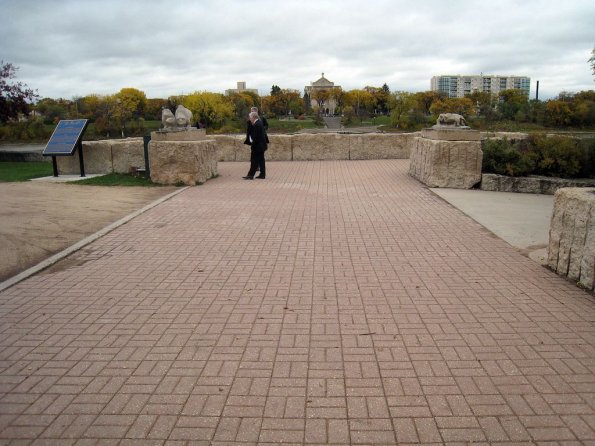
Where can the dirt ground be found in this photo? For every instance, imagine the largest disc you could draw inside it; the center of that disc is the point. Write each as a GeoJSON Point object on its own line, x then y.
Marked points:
{"type": "Point", "coordinates": [39, 219]}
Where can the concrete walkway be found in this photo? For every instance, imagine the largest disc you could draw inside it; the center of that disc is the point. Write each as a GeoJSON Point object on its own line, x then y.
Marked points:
{"type": "Point", "coordinates": [332, 303]}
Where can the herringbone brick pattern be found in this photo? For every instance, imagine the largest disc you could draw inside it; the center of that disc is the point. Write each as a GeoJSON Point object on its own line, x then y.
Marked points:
{"type": "Point", "coordinates": [332, 303]}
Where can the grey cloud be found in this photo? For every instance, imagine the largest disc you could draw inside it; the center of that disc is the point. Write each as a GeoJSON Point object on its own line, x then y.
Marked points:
{"type": "Point", "coordinates": [68, 47]}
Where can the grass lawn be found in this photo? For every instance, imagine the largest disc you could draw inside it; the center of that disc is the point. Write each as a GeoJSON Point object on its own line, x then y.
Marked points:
{"type": "Point", "coordinates": [24, 171]}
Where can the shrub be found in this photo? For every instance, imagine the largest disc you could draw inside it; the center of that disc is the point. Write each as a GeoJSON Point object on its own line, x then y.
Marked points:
{"type": "Point", "coordinates": [33, 130]}
{"type": "Point", "coordinates": [500, 156]}
{"type": "Point", "coordinates": [588, 158]}
{"type": "Point", "coordinates": [556, 156]}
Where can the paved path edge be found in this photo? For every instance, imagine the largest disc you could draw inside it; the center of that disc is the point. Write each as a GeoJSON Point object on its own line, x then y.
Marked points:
{"type": "Point", "coordinates": [84, 242]}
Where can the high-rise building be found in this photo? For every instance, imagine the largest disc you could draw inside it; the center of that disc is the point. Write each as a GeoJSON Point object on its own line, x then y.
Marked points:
{"type": "Point", "coordinates": [457, 86]}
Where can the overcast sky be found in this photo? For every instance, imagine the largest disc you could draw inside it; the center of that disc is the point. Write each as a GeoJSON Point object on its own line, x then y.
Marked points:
{"type": "Point", "coordinates": [67, 48]}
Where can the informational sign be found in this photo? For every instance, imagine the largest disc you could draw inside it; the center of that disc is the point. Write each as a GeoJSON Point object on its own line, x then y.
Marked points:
{"type": "Point", "coordinates": [66, 137]}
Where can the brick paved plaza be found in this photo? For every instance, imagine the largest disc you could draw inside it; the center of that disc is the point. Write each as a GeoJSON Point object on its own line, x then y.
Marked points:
{"type": "Point", "coordinates": [332, 303]}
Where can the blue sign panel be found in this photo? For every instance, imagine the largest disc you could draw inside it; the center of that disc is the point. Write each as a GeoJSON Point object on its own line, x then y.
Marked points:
{"type": "Point", "coordinates": [66, 137]}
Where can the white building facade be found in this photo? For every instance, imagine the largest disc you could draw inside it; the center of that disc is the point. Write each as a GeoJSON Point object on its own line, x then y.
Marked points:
{"type": "Point", "coordinates": [328, 106]}
{"type": "Point", "coordinates": [241, 88]}
{"type": "Point", "coordinates": [457, 86]}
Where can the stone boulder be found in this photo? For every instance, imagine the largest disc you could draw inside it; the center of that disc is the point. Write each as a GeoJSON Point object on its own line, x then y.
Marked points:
{"type": "Point", "coordinates": [453, 164]}
{"type": "Point", "coordinates": [530, 185]}
{"type": "Point", "coordinates": [230, 147]}
{"type": "Point", "coordinates": [187, 162]}
{"type": "Point", "coordinates": [322, 146]}
{"type": "Point", "coordinates": [97, 159]}
{"type": "Point", "coordinates": [571, 249]}
{"type": "Point", "coordinates": [374, 146]}
{"type": "Point", "coordinates": [127, 154]}
{"type": "Point", "coordinates": [280, 148]}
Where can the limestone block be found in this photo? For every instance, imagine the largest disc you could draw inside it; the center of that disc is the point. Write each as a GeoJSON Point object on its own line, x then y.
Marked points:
{"type": "Point", "coordinates": [571, 249]}
{"type": "Point", "coordinates": [97, 159]}
{"type": "Point", "coordinates": [369, 146]}
{"type": "Point", "coordinates": [127, 153]}
{"type": "Point", "coordinates": [530, 185]}
{"type": "Point", "coordinates": [321, 146]}
{"type": "Point", "coordinates": [453, 164]}
{"type": "Point", "coordinates": [230, 147]}
{"type": "Point", "coordinates": [188, 134]}
{"type": "Point", "coordinates": [188, 162]}
{"type": "Point", "coordinates": [280, 148]}
{"type": "Point", "coordinates": [454, 134]}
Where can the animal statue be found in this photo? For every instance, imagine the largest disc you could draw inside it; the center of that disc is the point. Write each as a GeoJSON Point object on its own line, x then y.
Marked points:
{"type": "Point", "coordinates": [180, 121]}
{"type": "Point", "coordinates": [183, 116]}
{"type": "Point", "coordinates": [451, 119]}
{"type": "Point", "coordinates": [168, 119]}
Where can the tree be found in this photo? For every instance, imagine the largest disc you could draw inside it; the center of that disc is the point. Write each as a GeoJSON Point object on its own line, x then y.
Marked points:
{"type": "Point", "coordinates": [153, 109]}
{"type": "Point", "coordinates": [425, 99]}
{"type": "Point", "coordinates": [360, 100]}
{"type": "Point", "coordinates": [214, 108]}
{"type": "Point", "coordinates": [400, 103]}
{"type": "Point", "coordinates": [484, 104]}
{"type": "Point", "coordinates": [275, 90]}
{"type": "Point", "coordinates": [320, 96]}
{"type": "Point", "coordinates": [583, 108]}
{"type": "Point", "coordinates": [338, 95]}
{"type": "Point", "coordinates": [242, 102]}
{"type": "Point", "coordinates": [557, 113]}
{"type": "Point", "coordinates": [52, 110]}
{"type": "Point", "coordinates": [462, 106]}
{"type": "Point", "coordinates": [380, 99]}
{"type": "Point", "coordinates": [132, 102]}
{"type": "Point", "coordinates": [512, 103]}
{"type": "Point", "coordinates": [592, 61]}
{"type": "Point", "coordinates": [15, 97]}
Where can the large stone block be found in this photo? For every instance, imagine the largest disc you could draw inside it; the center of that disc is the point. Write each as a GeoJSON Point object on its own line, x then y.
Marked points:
{"type": "Point", "coordinates": [187, 162]}
{"type": "Point", "coordinates": [321, 146]}
{"type": "Point", "coordinates": [530, 185]}
{"type": "Point", "coordinates": [453, 164]}
{"type": "Point", "coordinates": [97, 159]}
{"type": "Point", "coordinates": [127, 153]}
{"type": "Point", "coordinates": [280, 148]}
{"type": "Point", "coordinates": [189, 134]}
{"type": "Point", "coordinates": [571, 249]}
{"type": "Point", "coordinates": [229, 147]}
{"type": "Point", "coordinates": [454, 134]}
{"type": "Point", "coordinates": [370, 146]}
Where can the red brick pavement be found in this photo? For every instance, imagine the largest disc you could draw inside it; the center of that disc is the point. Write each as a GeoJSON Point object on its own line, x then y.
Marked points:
{"type": "Point", "coordinates": [333, 303]}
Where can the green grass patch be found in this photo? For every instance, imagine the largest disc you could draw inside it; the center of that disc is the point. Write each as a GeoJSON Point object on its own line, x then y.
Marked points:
{"type": "Point", "coordinates": [116, 179]}
{"type": "Point", "coordinates": [23, 171]}
{"type": "Point", "coordinates": [290, 125]}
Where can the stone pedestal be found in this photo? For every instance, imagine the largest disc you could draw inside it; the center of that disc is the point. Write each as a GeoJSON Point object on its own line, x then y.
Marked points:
{"type": "Point", "coordinates": [190, 134]}
{"type": "Point", "coordinates": [447, 158]}
{"type": "Point", "coordinates": [187, 162]}
{"type": "Point", "coordinates": [571, 249]}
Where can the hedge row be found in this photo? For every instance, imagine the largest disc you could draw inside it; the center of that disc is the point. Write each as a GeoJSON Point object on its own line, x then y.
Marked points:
{"type": "Point", "coordinates": [554, 156]}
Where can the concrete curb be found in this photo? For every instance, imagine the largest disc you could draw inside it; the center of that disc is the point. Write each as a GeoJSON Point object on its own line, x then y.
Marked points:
{"type": "Point", "coordinates": [84, 242]}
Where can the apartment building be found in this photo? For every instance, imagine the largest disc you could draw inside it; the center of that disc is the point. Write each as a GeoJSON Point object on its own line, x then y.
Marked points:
{"type": "Point", "coordinates": [457, 86]}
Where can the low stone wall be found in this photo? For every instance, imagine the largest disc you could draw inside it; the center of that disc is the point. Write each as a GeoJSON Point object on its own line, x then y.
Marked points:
{"type": "Point", "coordinates": [120, 156]}
{"type": "Point", "coordinates": [187, 162]}
{"type": "Point", "coordinates": [530, 185]}
{"type": "Point", "coordinates": [320, 146]}
{"type": "Point", "coordinates": [571, 250]}
{"type": "Point", "coordinates": [106, 156]}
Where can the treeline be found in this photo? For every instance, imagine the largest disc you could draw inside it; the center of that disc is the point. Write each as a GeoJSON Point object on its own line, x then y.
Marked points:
{"type": "Point", "coordinates": [129, 112]}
